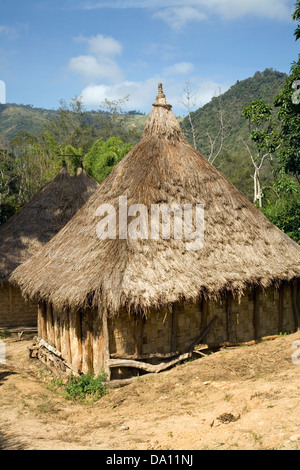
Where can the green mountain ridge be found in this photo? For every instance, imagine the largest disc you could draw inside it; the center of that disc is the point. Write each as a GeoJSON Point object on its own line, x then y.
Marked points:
{"type": "Point", "coordinates": [234, 160]}
{"type": "Point", "coordinates": [16, 118]}
{"type": "Point", "coordinates": [262, 86]}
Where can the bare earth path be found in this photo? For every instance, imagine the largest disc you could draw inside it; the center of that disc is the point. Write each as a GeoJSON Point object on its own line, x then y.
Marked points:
{"type": "Point", "coordinates": [237, 399]}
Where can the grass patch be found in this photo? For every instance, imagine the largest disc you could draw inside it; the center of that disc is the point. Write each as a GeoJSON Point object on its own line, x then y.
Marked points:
{"type": "Point", "coordinates": [86, 386]}
{"type": "Point", "coordinates": [5, 334]}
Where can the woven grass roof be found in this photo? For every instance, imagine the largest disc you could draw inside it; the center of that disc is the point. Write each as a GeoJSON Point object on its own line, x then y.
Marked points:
{"type": "Point", "coordinates": [36, 223]}
{"type": "Point", "coordinates": [242, 247]}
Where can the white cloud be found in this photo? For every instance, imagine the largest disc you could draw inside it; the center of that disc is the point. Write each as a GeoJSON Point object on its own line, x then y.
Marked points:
{"type": "Point", "coordinates": [91, 68]}
{"type": "Point", "coordinates": [101, 45]}
{"type": "Point", "coordinates": [142, 94]}
{"type": "Point", "coordinates": [139, 93]}
{"type": "Point", "coordinates": [183, 12]}
{"type": "Point", "coordinates": [177, 17]}
{"type": "Point", "coordinates": [2, 92]}
{"type": "Point", "coordinates": [181, 68]}
{"type": "Point", "coordinates": [233, 9]}
{"type": "Point", "coordinates": [100, 64]}
{"type": "Point", "coordinates": [8, 31]}
{"type": "Point", "coordinates": [177, 13]}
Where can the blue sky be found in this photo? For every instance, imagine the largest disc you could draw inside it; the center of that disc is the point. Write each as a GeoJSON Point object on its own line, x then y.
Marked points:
{"type": "Point", "coordinates": [97, 49]}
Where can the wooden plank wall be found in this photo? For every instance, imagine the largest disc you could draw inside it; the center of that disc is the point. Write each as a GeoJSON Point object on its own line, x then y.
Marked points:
{"type": "Point", "coordinates": [86, 338]}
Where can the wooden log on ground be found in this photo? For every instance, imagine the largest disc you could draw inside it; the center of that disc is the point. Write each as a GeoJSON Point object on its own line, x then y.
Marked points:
{"type": "Point", "coordinates": [145, 366]}
{"type": "Point", "coordinates": [155, 369]}
{"type": "Point", "coordinates": [144, 357]}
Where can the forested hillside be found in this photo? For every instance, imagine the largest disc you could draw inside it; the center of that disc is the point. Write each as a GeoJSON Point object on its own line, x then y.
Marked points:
{"type": "Point", "coordinates": [220, 125]}
{"type": "Point", "coordinates": [20, 118]}
{"type": "Point", "coordinates": [263, 85]}
{"type": "Point", "coordinates": [16, 118]}
{"type": "Point", "coordinates": [252, 134]}
{"type": "Point", "coordinates": [238, 132]}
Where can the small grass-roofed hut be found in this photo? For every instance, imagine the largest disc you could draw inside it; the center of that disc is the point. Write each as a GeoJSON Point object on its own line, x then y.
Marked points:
{"type": "Point", "coordinates": [129, 303]}
{"type": "Point", "coordinates": [32, 227]}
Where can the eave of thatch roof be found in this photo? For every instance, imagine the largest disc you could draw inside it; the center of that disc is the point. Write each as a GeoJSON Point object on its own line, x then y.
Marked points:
{"type": "Point", "coordinates": [36, 223]}
{"type": "Point", "coordinates": [242, 247]}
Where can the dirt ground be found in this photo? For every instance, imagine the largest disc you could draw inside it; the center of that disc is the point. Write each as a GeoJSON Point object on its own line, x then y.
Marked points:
{"type": "Point", "coordinates": [245, 398]}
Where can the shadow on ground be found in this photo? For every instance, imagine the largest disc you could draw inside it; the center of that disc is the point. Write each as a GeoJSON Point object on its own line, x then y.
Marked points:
{"type": "Point", "coordinates": [10, 443]}
{"type": "Point", "coordinates": [4, 374]}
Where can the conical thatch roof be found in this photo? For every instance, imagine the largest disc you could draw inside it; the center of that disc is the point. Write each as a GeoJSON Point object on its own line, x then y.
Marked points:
{"type": "Point", "coordinates": [36, 223]}
{"type": "Point", "coordinates": [242, 248]}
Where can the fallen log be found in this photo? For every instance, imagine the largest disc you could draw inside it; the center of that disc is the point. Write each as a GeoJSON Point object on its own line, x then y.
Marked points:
{"type": "Point", "coordinates": [123, 361]}
{"type": "Point", "coordinates": [114, 363]}
{"type": "Point", "coordinates": [146, 357]}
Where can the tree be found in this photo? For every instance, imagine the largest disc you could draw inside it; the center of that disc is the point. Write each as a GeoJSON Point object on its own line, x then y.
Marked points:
{"type": "Point", "coordinates": [190, 102]}
{"type": "Point", "coordinates": [34, 165]}
{"type": "Point", "coordinates": [217, 141]}
{"type": "Point", "coordinates": [73, 125]}
{"type": "Point", "coordinates": [113, 121]}
{"type": "Point", "coordinates": [264, 137]}
{"type": "Point", "coordinates": [103, 156]}
{"type": "Point", "coordinates": [289, 117]}
{"type": "Point", "coordinates": [282, 205]}
{"type": "Point", "coordinates": [296, 17]}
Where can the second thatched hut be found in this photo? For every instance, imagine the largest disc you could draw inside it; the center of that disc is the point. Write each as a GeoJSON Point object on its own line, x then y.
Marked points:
{"type": "Point", "coordinates": [129, 302]}
{"type": "Point", "coordinates": [33, 226]}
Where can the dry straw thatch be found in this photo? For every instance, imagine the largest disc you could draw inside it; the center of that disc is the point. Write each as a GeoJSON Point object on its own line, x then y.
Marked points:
{"type": "Point", "coordinates": [36, 223]}
{"type": "Point", "coordinates": [242, 247]}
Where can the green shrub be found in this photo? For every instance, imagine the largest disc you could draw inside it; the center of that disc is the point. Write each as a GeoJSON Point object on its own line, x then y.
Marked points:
{"type": "Point", "coordinates": [86, 386]}
{"type": "Point", "coordinates": [5, 334]}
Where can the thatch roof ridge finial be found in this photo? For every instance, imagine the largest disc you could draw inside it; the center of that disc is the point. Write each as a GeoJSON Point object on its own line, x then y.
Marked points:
{"type": "Point", "coordinates": [161, 98]}
{"type": "Point", "coordinates": [160, 91]}
{"type": "Point", "coordinates": [64, 168]}
{"type": "Point", "coordinates": [80, 168]}
{"type": "Point", "coordinates": [161, 121]}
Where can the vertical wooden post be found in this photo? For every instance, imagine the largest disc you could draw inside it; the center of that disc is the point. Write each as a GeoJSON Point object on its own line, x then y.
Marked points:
{"type": "Point", "coordinates": [57, 329]}
{"type": "Point", "coordinates": [106, 354]}
{"type": "Point", "coordinates": [296, 311]}
{"type": "Point", "coordinates": [228, 306]}
{"type": "Point", "coordinates": [204, 315]}
{"type": "Point", "coordinates": [42, 320]}
{"type": "Point", "coordinates": [79, 338]}
{"type": "Point", "coordinates": [50, 324]}
{"type": "Point", "coordinates": [67, 336]}
{"type": "Point", "coordinates": [89, 341]}
{"type": "Point", "coordinates": [256, 313]}
{"type": "Point", "coordinates": [39, 320]}
{"type": "Point", "coordinates": [297, 297]}
{"type": "Point", "coordinates": [280, 309]}
{"type": "Point", "coordinates": [174, 332]}
{"type": "Point", "coordinates": [11, 305]}
{"type": "Point", "coordinates": [138, 335]}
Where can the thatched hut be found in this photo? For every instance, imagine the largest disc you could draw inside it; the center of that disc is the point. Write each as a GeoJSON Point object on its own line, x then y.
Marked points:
{"type": "Point", "coordinates": [129, 302]}
{"type": "Point", "coordinates": [32, 227]}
